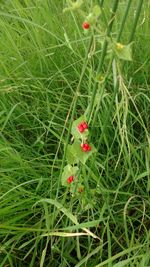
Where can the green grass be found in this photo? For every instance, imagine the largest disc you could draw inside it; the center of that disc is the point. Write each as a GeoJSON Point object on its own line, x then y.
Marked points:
{"type": "Point", "coordinates": [47, 81]}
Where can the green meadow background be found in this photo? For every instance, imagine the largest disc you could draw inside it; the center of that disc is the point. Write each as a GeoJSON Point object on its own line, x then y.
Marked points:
{"type": "Point", "coordinates": [42, 56]}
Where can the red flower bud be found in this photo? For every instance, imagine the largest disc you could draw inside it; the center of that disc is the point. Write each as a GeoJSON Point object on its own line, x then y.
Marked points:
{"type": "Point", "coordinates": [85, 147]}
{"type": "Point", "coordinates": [70, 179]}
{"type": "Point", "coordinates": [86, 25]}
{"type": "Point", "coordinates": [85, 125]}
{"type": "Point", "coordinates": [80, 189]}
{"type": "Point", "coordinates": [82, 126]}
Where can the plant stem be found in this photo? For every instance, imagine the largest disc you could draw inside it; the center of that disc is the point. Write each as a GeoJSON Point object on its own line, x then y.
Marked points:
{"type": "Point", "coordinates": [123, 20]}
{"type": "Point", "coordinates": [73, 106]}
{"type": "Point", "coordinates": [118, 38]}
{"type": "Point", "coordinates": [117, 84]}
{"type": "Point", "coordinates": [74, 102]}
{"type": "Point", "coordinates": [112, 57]}
{"type": "Point", "coordinates": [104, 50]}
{"type": "Point", "coordinates": [138, 11]}
{"type": "Point", "coordinates": [101, 2]}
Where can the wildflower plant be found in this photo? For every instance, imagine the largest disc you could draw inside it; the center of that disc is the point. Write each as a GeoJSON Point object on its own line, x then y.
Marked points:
{"type": "Point", "coordinates": [104, 169]}
{"type": "Point", "coordinates": [78, 149]}
{"type": "Point", "coordinates": [77, 153]}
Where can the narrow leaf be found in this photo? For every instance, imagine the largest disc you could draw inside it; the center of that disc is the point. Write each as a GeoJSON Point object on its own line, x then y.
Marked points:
{"type": "Point", "coordinates": [61, 208]}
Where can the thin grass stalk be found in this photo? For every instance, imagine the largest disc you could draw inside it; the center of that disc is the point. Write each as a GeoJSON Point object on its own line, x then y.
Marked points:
{"type": "Point", "coordinates": [139, 6]}
{"type": "Point", "coordinates": [103, 54]}
{"type": "Point", "coordinates": [125, 16]}
{"type": "Point", "coordinates": [138, 11]}
{"type": "Point", "coordinates": [101, 2]}
{"type": "Point", "coordinates": [73, 106]}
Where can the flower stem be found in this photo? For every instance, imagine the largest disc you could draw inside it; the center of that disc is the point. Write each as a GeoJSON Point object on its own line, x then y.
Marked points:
{"type": "Point", "coordinates": [73, 105]}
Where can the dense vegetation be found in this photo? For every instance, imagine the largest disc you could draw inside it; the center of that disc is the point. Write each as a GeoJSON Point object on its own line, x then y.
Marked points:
{"type": "Point", "coordinates": [51, 73]}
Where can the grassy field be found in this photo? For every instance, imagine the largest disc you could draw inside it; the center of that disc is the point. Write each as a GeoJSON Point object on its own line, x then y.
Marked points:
{"type": "Point", "coordinates": [51, 73]}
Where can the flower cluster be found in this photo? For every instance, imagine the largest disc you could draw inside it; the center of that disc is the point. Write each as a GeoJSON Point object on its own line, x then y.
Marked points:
{"type": "Point", "coordinates": [81, 129]}
{"type": "Point", "coordinates": [85, 147]}
{"type": "Point", "coordinates": [77, 154]}
{"type": "Point", "coordinates": [82, 126]}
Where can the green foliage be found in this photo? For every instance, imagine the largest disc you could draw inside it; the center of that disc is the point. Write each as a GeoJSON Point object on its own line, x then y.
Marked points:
{"type": "Point", "coordinates": [71, 155]}
{"type": "Point", "coordinates": [93, 16]}
{"type": "Point", "coordinates": [123, 52]}
{"type": "Point", "coordinates": [68, 171]}
{"type": "Point", "coordinates": [74, 152]}
{"type": "Point", "coordinates": [45, 58]}
{"type": "Point", "coordinates": [73, 5]}
{"type": "Point", "coordinates": [96, 11]}
{"type": "Point", "coordinates": [81, 155]}
{"type": "Point", "coordinates": [75, 132]}
{"type": "Point", "coordinates": [124, 263]}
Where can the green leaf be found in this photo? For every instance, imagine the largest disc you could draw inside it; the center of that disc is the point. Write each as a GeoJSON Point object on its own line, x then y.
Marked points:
{"type": "Point", "coordinates": [77, 189]}
{"type": "Point", "coordinates": [92, 17]}
{"type": "Point", "coordinates": [73, 5]}
{"type": "Point", "coordinates": [100, 78]}
{"type": "Point", "coordinates": [65, 211]}
{"type": "Point", "coordinates": [68, 171]}
{"type": "Point", "coordinates": [124, 263]}
{"type": "Point", "coordinates": [68, 41]}
{"type": "Point", "coordinates": [75, 132]}
{"type": "Point", "coordinates": [43, 257]}
{"type": "Point", "coordinates": [96, 11]}
{"type": "Point", "coordinates": [71, 155]}
{"type": "Point", "coordinates": [123, 51]}
{"type": "Point", "coordinates": [75, 153]}
{"type": "Point", "coordinates": [60, 207]}
{"type": "Point", "coordinates": [81, 155]}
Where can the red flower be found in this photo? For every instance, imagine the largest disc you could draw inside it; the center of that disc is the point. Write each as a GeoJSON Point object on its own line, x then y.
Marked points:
{"type": "Point", "coordinates": [82, 126]}
{"type": "Point", "coordinates": [85, 147]}
{"type": "Point", "coordinates": [70, 179]}
{"type": "Point", "coordinates": [86, 25]}
{"type": "Point", "coordinates": [85, 125]}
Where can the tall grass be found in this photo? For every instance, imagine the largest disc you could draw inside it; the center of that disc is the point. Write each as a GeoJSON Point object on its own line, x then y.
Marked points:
{"type": "Point", "coordinates": [48, 79]}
